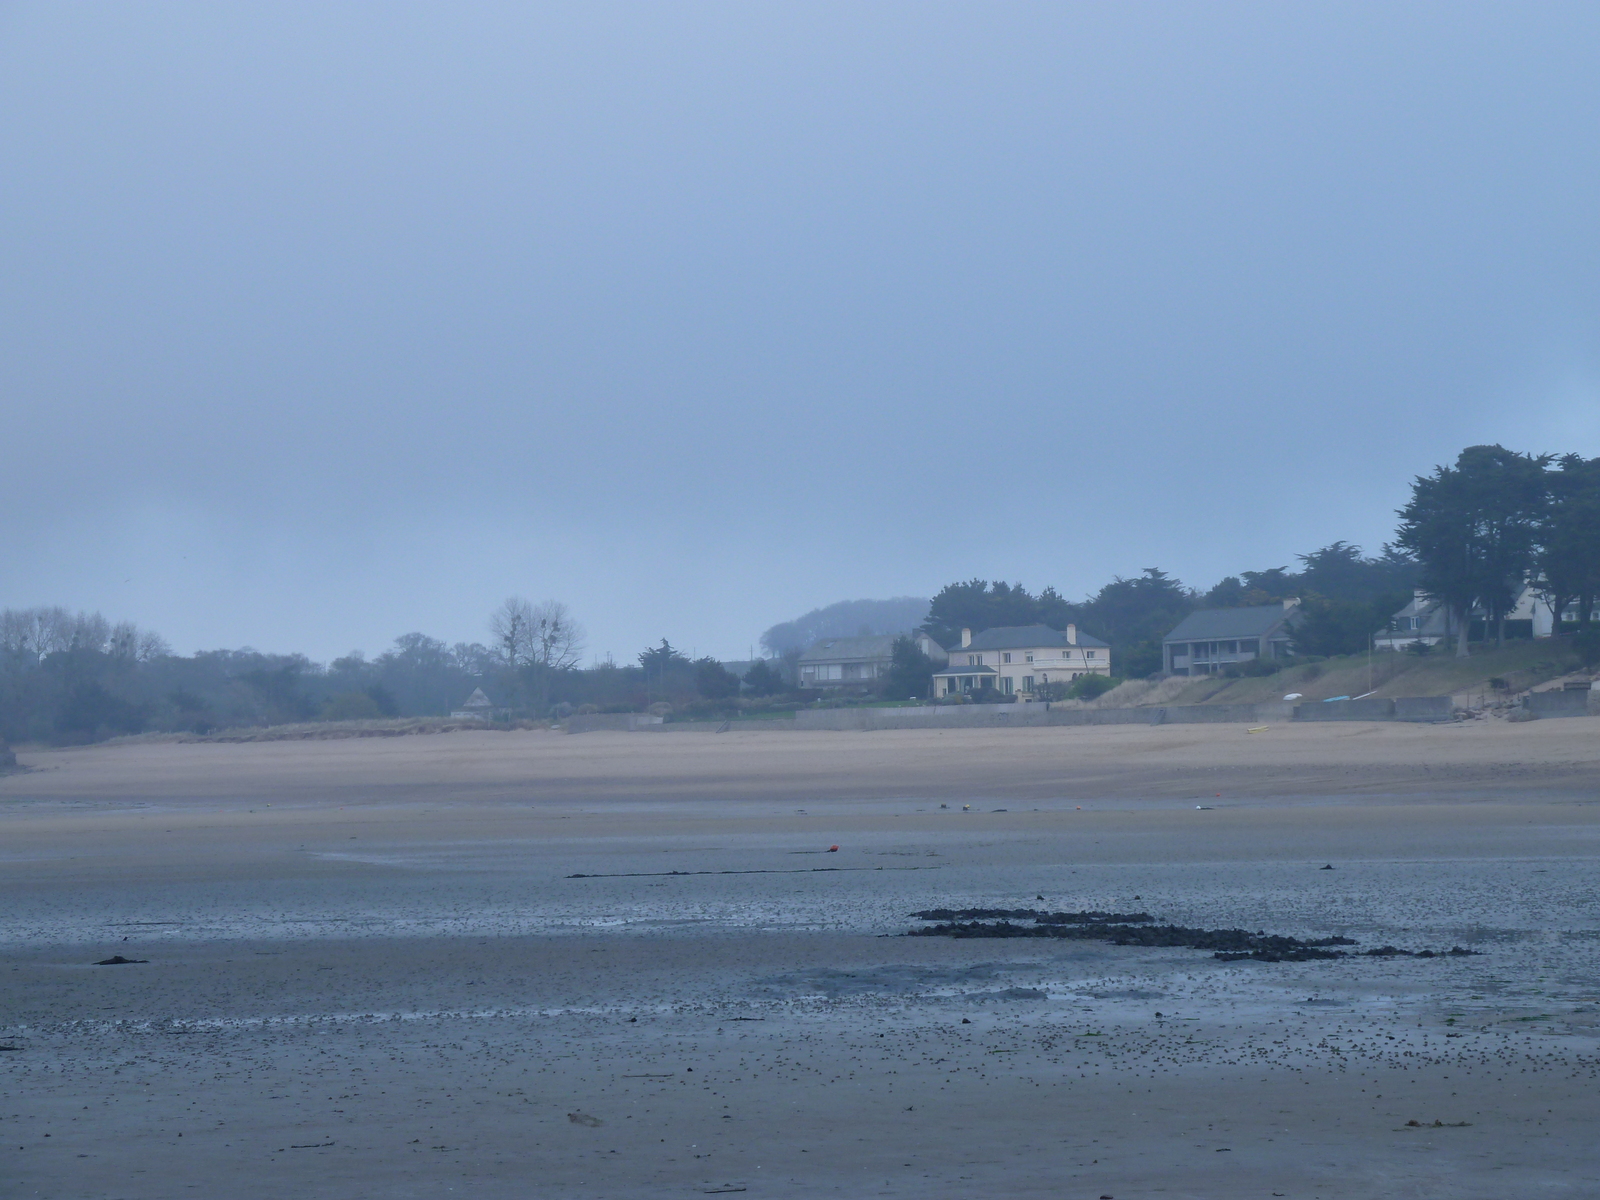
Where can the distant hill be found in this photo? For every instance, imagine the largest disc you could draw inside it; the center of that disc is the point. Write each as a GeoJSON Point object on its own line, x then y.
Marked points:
{"type": "Point", "coordinates": [847, 618]}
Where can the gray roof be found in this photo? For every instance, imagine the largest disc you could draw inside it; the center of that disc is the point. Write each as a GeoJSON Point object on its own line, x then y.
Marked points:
{"type": "Point", "coordinates": [966, 671]}
{"type": "Point", "coordinates": [477, 700]}
{"type": "Point", "coordinates": [1021, 637]}
{"type": "Point", "coordinates": [1211, 623]}
{"type": "Point", "coordinates": [846, 649]}
{"type": "Point", "coordinates": [1435, 619]}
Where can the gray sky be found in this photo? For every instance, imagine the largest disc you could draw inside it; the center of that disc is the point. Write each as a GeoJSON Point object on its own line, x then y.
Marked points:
{"type": "Point", "coordinates": [322, 323]}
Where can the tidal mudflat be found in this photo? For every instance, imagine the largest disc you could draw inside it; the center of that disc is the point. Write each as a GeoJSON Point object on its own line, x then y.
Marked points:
{"type": "Point", "coordinates": [629, 965]}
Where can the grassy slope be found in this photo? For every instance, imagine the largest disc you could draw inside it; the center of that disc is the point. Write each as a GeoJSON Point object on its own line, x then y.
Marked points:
{"type": "Point", "coordinates": [1521, 664]}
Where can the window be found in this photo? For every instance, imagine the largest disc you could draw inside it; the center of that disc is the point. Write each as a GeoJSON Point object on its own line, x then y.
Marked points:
{"type": "Point", "coordinates": [1005, 684]}
{"type": "Point", "coordinates": [1027, 683]}
{"type": "Point", "coordinates": [1088, 653]}
{"type": "Point", "coordinates": [1005, 658]}
{"type": "Point", "coordinates": [1066, 654]}
{"type": "Point", "coordinates": [1030, 656]}
{"type": "Point", "coordinates": [974, 660]}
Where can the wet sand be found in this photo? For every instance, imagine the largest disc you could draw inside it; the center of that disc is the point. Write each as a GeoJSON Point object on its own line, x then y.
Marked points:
{"type": "Point", "coordinates": [371, 973]}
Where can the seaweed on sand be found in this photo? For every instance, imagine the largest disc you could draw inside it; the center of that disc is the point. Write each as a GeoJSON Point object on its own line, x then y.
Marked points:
{"type": "Point", "coordinates": [1139, 929]}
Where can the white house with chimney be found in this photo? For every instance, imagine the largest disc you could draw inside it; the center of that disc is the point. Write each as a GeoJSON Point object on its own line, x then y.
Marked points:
{"type": "Point", "coordinates": [1020, 660]}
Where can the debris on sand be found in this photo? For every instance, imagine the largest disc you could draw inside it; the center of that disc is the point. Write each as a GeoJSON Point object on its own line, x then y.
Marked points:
{"type": "Point", "coordinates": [1031, 914]}
{"type": "Point", "coordinates": [1138, 929]}
{"type": "Point", "coordinates": [1436, 1124]}
{"type": "Point", "coordinates": [751, 871]}
{"type": "Point", "coordinates": [583, 1118]}
{"type": "Point", "coordinates": [116, 960]}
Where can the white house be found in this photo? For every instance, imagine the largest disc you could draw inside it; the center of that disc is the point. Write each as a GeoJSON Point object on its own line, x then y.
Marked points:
{"type": "Point", "coordinates": [1428, 621]}
{"type": "Point", "coordinates": [1020, 660]}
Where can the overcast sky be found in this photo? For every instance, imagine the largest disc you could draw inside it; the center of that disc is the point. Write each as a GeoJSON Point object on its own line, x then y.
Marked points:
{"type": "Point", "coordinates": [320, 323]}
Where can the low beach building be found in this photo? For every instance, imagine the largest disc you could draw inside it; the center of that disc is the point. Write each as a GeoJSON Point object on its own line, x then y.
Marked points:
{"type": "Point", "coordinates": [476, 707]}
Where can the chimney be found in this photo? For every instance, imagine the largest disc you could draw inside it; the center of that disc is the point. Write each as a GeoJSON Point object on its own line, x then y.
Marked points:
{"type": "Point", "coordinates": [966, 638]}
{"type": "Point", "coordinates": [1072, 634]}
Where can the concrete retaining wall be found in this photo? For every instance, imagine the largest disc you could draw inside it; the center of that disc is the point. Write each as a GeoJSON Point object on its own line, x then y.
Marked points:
{"type": "Point", "coordinates": [964, 716]}
{"type": "Point", "coordinates": [1558, 704]}
{"type": "Point", "coordinates": [1221, 714]}
{"type": "Point", "coordinates": [1346, 710]}
{"type": "Point", "coordinates": [1000, 716]}
{"type": "Point", "coordinates": [992, 716]}
{"type": "Point", "coordinates": [1424, 708]}
{"type": "Point", "coordinates": [594, 722]}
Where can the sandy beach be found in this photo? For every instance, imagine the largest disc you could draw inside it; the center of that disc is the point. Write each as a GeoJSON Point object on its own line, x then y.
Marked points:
{"type": "Point", "coordinates": [628, 965]}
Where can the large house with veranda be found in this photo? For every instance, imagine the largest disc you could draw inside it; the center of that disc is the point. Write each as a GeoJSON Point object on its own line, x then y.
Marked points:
{"type": "Point", "coordinates": [1020, 660]}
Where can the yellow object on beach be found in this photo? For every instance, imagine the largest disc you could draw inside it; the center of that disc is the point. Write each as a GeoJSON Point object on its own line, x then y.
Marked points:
{"type": "Point", "coordinates": [1259, 729]}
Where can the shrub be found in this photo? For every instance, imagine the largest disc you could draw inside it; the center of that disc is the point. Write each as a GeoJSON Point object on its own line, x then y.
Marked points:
{"type": "Point", "coordinates": [1588, 647]}
{"type": "Point", "coordinates": [1089, 687]}
{"type": "Point", "coordinates": [351, 706]}
{"type": "Point", "coordinates": [1258, 667]}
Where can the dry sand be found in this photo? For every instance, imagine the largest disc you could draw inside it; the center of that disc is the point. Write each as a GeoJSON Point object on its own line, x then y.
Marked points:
{"type": "Point", "coordinates": [371, 974]}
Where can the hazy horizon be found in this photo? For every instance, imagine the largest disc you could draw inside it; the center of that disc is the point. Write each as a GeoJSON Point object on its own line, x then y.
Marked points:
{"type": "Point", "coordinates": [329, 323]}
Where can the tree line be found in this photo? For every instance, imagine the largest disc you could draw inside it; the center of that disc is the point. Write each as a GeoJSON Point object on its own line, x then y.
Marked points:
{"type": "Point", "coordinates": [68, 678]}
{"type": "Point", "coordinates": [1497, 521]}
{"type": "Point", "coordinates": [1472, 536]}
{"type": "Point", "coordinates": [1345, 595]}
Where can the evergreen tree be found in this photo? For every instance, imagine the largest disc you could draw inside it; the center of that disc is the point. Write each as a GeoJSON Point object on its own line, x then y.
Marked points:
{"type": "Point", "coordinates": [1473, 528]}
{"type": "Point", "coordinates": [910, 671]}
{"type": "Point", "coordinates": [1568, 560]}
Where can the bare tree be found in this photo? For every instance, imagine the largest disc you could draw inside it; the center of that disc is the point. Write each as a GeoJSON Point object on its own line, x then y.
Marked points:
{"type": "Point", "coordinates": [557, 638]}
{"type": "Point", "coordinates": [39, 632]}
{"type": "Point", "coordinates": [534, 641]}
{"type": "Point", "coordinates": [512, 626]}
